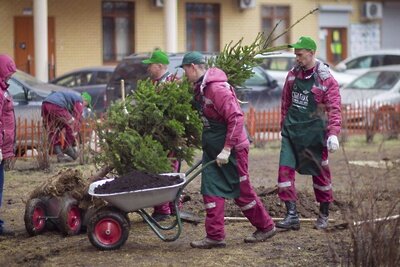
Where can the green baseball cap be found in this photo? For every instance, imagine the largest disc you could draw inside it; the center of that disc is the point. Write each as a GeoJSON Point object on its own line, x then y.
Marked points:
{"type": "Point", "coordinates": [192, 58]}
{"type": "Point", "coordinates": [157, 57]}
{"type": "Point", "coordinates": [305, 42]}
{"type": "Point", "coordinates": [86, 97]}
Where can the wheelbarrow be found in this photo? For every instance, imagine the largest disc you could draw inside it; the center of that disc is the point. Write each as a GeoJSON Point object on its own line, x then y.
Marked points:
{"type": "Point", "coordinates": [53, 212]}
{"type": "Point", "coordinates": [108, 227]}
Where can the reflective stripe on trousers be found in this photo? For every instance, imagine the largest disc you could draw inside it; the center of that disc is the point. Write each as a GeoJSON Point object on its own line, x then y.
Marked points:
{"type": "Point", "coordinates": [322, 184]}
{"type": "Point", "coordinates": [248, 202]}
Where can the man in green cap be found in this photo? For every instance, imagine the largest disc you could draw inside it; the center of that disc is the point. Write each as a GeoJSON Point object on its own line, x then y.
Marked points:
{"type": "Point", "coordinates": [87, 103]}
{"type": "Point", "coordinates": [87, 99]}
{"type": "Point", "coordinates": [158, 71]}
{"type": "Point", "coordinates": [224, 139]}
{"type": "Point", "coordinates": [310, 124]}
{"type": "Point", "coordinates": [158, 67]}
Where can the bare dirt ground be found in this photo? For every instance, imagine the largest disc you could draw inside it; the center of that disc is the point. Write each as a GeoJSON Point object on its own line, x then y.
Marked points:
{"type": "Point", "coordinates": [306, 247]}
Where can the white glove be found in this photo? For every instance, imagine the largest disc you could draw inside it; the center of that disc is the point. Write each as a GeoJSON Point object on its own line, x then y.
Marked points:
{"type": "Point", "coordinates": [71, 121]}
{"type": "Point", "coordinates": [223, 157]}
{"type": "Point", "coordinates": [1, 155]}
{"type": "Point", "coordinates": [332, 143]}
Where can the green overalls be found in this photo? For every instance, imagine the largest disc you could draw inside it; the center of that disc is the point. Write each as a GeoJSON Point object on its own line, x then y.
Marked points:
{"type": "Point", "coordinates": [217, 181]}
{"type": "Point", "coordinates": [303, 131]}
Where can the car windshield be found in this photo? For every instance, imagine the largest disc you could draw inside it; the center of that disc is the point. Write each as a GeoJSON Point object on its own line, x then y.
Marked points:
{"type": "Point", "coordinates": [27, 79]}
{"type": "Point", "coordinates": [278, 63]}
{"type": "Point", "coordinates": [376, 80]}
{"type": "Point", "coordinates": [259, 78]}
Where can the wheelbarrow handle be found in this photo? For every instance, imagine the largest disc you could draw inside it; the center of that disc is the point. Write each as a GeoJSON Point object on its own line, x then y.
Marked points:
{"type": "Point", "coordinates": [197, 164]}
{"type": "Point", "coordinates": [190, 176]}
{"type": "Point", "coordinates": [155, 226]}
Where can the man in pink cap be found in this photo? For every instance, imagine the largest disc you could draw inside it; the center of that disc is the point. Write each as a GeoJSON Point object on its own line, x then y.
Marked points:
{"type": "Point", "coordinates": [7, 123]}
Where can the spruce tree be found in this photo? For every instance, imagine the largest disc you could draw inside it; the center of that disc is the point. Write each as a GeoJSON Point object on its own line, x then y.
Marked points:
{"type": "Point", "coordinates": [159, 120]}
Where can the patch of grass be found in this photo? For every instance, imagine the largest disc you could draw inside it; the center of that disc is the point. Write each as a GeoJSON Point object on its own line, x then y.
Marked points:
{"type": "Point", "coordinates": [356, 141]}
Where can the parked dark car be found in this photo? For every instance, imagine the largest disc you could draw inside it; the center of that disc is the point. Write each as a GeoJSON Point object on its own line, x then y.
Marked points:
{"type": "Point", "coordinates": [89, 79]}
{"type": "Point", "coordinates": [261, 91]}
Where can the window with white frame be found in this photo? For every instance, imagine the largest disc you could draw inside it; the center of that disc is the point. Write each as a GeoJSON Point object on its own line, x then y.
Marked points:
{"type": "Point", "coordinates": [272, 15]}
{"type": "Point", "coordinates": [118, 19]}
{"type": "Point", "coordinates": [202, 27]}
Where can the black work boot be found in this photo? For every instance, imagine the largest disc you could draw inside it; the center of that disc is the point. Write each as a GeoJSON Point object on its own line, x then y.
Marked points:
{"type": "Point", "coordinates": [71, 152]}
{"type": "Point", "coordinates": [322, 221]}
{"type": "Point", "coordinates": [291, 220]}
{"type": "Point", "coordinates": [60, 155]}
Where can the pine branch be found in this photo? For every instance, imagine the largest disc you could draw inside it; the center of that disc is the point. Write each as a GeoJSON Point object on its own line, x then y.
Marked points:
{"type": "Point", "coordinates": [237, 60]}
{"type": "Point", "coordinates": [297, 22]}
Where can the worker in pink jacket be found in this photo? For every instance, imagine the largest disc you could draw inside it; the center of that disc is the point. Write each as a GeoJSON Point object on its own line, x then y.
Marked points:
{"type": "Point", "coordinates": [64, 110]}
{"type": "Point", "coordinates": [224, 139]}
{"type": "Point", "coordinates": [310, 122]}
{"type": "Point", "coordinates": [7, 123]}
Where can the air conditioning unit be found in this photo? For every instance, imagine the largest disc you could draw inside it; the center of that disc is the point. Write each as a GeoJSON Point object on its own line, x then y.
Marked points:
{"type": "Point", "coordinates": [372, 10]}
{"type": "Point", "coordinates": [245, 4]}
{"type": "Point", "coordinates": [158, 3]}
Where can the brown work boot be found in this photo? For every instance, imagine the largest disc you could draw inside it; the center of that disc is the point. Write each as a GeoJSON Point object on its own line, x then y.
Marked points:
{"type": "Point", "coordinates": [260, 236]}
{"type": "Point", "coordinates": [208, 243]}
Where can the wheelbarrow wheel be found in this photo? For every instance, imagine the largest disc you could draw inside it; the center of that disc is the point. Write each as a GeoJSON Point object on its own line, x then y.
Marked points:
{"type": "Point", "coordinates": [108, 230]}
{"type": "Point", "coordinates": [35, 216]}
{"type": "Point", "coordinates": [70, 217]}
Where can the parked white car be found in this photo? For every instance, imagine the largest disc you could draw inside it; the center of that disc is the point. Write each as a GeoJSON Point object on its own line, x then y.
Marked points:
{"type": "Point", "coordinates": [278, 65]}
{"type": "Point", "coordinates": [378, 85]}
{"type": "Point", "coordinates": [372, 100]}
{"type": "Point", "coordinates": [362, 63]}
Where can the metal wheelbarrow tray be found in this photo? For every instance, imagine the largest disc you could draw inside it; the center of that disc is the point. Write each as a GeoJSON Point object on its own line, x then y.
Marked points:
{"type": "Point", "coordinates": [139, 199]}
{"type": "Point", "coordinates": [108, 227]}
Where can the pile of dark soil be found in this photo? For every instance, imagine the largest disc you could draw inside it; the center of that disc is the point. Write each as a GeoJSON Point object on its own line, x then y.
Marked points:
{"type": "Point", "coordinates": [136, 180]}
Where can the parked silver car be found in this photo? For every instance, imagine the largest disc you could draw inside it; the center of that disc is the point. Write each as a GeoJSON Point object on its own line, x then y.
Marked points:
{"type": "Point", "coordinates": [379, 85]}
{"type": "Point", "coordinates": [28, 94]}
{"type": "Point", "coordinates": [372, 101]}
{"type": "Point", "coordinates": [362, 63]}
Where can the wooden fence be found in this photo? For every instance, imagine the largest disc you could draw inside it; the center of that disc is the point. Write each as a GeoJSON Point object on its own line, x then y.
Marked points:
{"type": "Point", "coordinates": [262, 126]}
{"type": "Point", "coordinates": [31, 137]}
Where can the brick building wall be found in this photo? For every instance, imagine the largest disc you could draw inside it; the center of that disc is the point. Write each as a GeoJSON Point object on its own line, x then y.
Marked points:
{"type": "Point", "coordinates": [78, 26]}
{"type": "Point", "coordinates": [78, 31]}
{"type": "Point", "coordinates": [7, 26]}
